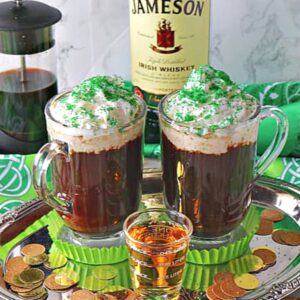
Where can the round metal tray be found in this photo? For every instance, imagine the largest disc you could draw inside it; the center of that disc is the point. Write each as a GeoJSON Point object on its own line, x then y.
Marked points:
{"type": "Point", "coordinates": [276, 283]}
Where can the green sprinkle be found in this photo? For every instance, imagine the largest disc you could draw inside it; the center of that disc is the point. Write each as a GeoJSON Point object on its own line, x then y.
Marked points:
{"type": "Point", "coordinates": [112, 87]}
{"type": "Point", "coordinates": [208, 116]}
{"type": "Point", "coordinates": [179, 117]}
{"type": "Point", "coordinates": [209, 100]}
{"type": "Point", "coordinates": [70, 106]}
{"type": "Point", "coordinates": [112, 122]}
{"type": "Point", "coordinates": [188, 118]}
{"type": "Point", "coordinates": [95, 102]}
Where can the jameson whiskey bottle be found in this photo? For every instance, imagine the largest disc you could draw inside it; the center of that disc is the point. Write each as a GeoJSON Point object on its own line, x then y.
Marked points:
{"type": "Point", "coordinates": [168, 39]}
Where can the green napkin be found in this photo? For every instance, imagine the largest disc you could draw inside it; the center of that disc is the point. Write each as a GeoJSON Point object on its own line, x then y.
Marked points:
{"type": "Point", "coordinates": [277, 93]}
{"type": "Point", "coordinates": [285, 95]}
{"type": "Point", "coordinates": [268, 127]}
{"type": "Point", "coordinates": [15, 181]}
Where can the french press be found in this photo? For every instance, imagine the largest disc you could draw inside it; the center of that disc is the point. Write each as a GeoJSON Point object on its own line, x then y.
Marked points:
{"type": "Point", "coordinates": [27, 73]}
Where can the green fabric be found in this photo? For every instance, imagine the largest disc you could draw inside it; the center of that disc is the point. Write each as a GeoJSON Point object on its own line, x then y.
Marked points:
{"type": "Point", "coordinates": [278, 93]}
{"type": "Point", "coordinates": [285, 95]}
{"type": "Point", "coordinates": [268, 127]}
{"type": "Point", "coordinates": [15, 181]}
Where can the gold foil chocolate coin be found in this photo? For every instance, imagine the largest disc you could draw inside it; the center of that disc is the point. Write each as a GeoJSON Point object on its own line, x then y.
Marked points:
{"type": "Point", "coordinates": [52, 285]}
{"type": "Point", "coordinates": [2, 282]}
{"type": "Point", "coordinates": [210, 294]}
{"type": "Point", "coordinates": [35, 260]}
{"type": "Point", "coordinates": [277, 236]}
{"type": "Point", "coordinates": [83, 294]}
{"type": "Point", "coordinates": [17, 282]}
{"type": "Point", "coordinates": [16, 264]}
{"type": "Point", "coordinates": [220, 277]}
{"type": "Point", "coordinates": [265, 227]}
{"type": "Point", "coordinates": [229, 288]}
{"type": "Point", "coordinates": [55, 261]}
{"type": "Point", "coordinates": [8, 277]}
{"type": "Point", "coordinates": [101, 296]}
{"type": "Point", "coordinates": [33, 293]}
{"type": "Point", "coordinates": [272, 215]}
{"type": "Point", "coordinates": [246, 264]}
{"type": "Point", "coordinates": [246, 281]}
{"type": "Point", "coordinates": [66, 277]}
{"type": "Point", "coordinates": [105, 272]}
{"type": "Point", "coordinates": [18, 289]}
{"type": "Point", "coordinates": [216, 288]}
{"type": "Point", "coordinates": [124, 294]}
{"type": "Point", "coordinates": [93, 284]}
{"type": "Point", "coordinates": [33, 250]}
{"type": "Point", "coordinates": [43, 295]}
{"type": "Point", "coordinates": [64, 280]}
{"type": "Point", "coordinates": [267, 255]}
{"type": "Point", "coordinates": [291, 238]}
{"type": "Point", "coordinates": [32, 276]}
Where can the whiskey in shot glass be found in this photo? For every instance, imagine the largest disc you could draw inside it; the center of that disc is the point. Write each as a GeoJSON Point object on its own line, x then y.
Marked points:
{"type": "Point", "coordinates": [158, 241]}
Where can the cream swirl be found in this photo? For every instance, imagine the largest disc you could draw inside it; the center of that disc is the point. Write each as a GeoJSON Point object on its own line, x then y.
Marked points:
{"type": "Point", "coordinates": [100, 102]}
{"type": "Point", "coordinates": [210, 100]}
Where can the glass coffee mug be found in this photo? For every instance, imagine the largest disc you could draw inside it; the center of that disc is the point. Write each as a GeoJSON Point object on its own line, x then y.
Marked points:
{"type": "Point", "coordinates": [96, 177]}
{"type": "Point", "coordinates": [209, 177]}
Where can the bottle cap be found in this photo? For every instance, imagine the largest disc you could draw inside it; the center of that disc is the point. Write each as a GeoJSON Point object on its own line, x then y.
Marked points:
{"type": "Point", "coordinates": [26, 27]}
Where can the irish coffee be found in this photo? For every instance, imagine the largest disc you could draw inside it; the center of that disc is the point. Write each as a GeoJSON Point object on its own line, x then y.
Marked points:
{"type": "Point", "coordinates": [97, 131]}
{"type": "Point", "coordinates": [208, 159]}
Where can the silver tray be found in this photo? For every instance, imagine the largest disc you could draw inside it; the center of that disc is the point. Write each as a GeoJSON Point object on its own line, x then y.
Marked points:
{"type": "Point", "coordinates": [277, 282]}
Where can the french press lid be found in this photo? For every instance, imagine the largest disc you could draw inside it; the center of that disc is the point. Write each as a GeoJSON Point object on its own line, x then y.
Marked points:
{"type": "Point", "coordinates": [26, 27]}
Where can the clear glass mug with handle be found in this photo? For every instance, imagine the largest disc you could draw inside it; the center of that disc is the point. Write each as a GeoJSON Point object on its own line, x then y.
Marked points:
{"type": "Point", "coordinates": [96, 177]}
{"type": "Point", "coordinates": [209, 177]}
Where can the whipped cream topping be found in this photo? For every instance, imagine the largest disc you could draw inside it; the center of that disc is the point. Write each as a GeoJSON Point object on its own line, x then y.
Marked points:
{"type": "Point", "coordinates": [93, 117]}
{"type": "Point", "coordinates": [101, 102]}
{"type": "Point", "coordinates": [209, 100]}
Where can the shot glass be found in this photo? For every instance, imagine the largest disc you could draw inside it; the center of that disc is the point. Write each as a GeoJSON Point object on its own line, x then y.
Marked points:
{"type": "Point", "coordinates": [158, 241]}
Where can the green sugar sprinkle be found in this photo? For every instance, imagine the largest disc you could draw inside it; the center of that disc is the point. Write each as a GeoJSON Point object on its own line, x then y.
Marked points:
{"type": "Point", "coordinates": [98, 102]}
{"type": "Point", "coordinates": [210, 100]}
{"type": "Point", "coordinates": [112, 122]}
{"type": "Point", "coordinates": [112, 87]}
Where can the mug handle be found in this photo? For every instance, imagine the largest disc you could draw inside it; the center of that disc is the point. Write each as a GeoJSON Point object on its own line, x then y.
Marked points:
{"type": "Point", "coordinates": [41, 165]}
{"type": "Point", "coordinates": [273, 151]}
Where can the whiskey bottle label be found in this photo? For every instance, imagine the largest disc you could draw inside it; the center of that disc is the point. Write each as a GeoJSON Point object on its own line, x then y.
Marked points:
{"type": "Point", "coordinates": [168, 39]}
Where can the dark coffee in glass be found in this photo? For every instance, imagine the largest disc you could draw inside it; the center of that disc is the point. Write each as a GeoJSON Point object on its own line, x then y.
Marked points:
{"type": "Point", "coordinates": [22, 120]}
{"type": "Point", "coordinates": [209, 133]}
{"type": "Point", "coordinates": [96, 158]}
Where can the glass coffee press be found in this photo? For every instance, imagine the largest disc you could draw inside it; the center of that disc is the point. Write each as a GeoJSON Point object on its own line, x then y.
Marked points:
{"type": "Point", "coordinates": [27, 73]}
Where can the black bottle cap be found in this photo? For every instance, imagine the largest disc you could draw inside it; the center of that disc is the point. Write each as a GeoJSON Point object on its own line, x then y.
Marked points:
{"type": "Point", "coordinates": [26, 26]}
